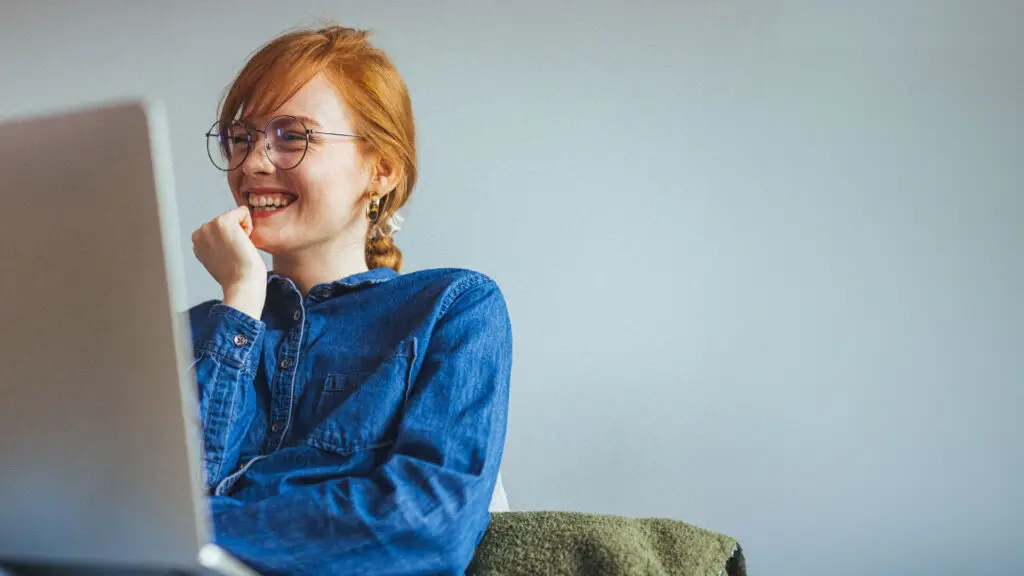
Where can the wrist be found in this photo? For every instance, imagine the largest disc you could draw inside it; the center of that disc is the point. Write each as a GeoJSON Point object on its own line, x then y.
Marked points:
{"type": "Point", "coordinates": [248, 299]}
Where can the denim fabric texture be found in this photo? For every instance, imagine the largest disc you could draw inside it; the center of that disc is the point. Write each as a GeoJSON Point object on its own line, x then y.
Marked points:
{"type": "Point", "coordinates": [358, 429]}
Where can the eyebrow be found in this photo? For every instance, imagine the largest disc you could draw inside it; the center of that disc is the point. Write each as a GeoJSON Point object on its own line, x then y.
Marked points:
{"type": "Point", "coordinates": [311, 122]}
{"type": "Point", "coordinates": [308, 121]}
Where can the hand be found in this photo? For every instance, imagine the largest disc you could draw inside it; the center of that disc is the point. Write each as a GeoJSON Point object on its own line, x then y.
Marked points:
{"type": "Point", "coordinates": [224, 248]}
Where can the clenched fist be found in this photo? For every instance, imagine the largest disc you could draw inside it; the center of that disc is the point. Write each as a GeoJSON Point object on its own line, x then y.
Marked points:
{"type": "Point", "coordinates": [224, 248]}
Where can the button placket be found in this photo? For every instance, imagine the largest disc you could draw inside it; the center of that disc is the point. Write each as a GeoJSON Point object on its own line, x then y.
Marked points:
{"type": "Point", "coordinates": [285, 364]}
{"type": "Point", "coordinates": [285, 385]}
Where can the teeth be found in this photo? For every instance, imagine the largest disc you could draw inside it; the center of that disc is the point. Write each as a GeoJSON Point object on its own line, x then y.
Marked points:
{"type": "Point", "coordinates": [269, 201]}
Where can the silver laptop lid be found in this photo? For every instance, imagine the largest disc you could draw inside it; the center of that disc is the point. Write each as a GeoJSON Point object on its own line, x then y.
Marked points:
{"type": "Point", "coordinates": [97, 463]}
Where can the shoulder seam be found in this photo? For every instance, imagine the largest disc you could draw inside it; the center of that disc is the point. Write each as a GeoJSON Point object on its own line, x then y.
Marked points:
{"type": "Point", "coordinates": [460, 287]}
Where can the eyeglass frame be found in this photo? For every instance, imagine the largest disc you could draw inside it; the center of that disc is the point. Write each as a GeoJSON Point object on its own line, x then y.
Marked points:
{"type": "Point", "coordinates": [266, 141]}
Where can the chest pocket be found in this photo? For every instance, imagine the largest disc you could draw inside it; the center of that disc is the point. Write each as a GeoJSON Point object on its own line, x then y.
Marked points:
{"type": "Point", "coordinates": [361, 410]}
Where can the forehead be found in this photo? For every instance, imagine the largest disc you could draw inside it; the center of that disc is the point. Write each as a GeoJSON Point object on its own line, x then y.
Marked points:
{"type": "Point", "coordinates": [318, 104]}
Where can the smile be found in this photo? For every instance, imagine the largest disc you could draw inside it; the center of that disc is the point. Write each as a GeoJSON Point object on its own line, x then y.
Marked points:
{"type": "Point", "coordinates": [269, 203]}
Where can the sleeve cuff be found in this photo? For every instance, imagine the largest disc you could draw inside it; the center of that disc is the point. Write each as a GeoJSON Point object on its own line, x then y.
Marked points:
{"type": "Point", "coordinates": [233, 336]}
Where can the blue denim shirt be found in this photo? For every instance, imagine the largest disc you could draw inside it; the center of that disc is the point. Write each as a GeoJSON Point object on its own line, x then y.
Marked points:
{"type": "Point", "coordinates": [359, 429]}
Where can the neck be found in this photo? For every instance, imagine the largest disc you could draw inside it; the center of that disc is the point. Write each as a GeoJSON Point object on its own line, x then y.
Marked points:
{"type": "Point", "coordinates": [321, 263]}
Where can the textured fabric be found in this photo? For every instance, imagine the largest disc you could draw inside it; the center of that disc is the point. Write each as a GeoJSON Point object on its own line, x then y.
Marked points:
{"type": "Point", "coordinates": [358, 429]}
{"type": "Point", "coordinates": [571, 544]}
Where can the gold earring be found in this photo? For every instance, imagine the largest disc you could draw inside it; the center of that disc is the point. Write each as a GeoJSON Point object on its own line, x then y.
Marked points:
{"type": "Point", "coordinates": [373, 209]}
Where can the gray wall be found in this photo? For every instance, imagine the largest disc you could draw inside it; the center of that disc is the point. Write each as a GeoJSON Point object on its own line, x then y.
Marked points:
{"type": "Point", "coordinates": [763, 258]}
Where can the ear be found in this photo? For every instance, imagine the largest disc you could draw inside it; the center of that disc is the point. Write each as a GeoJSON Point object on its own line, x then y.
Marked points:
{"type": "Point", "coordinates": [384, 178]}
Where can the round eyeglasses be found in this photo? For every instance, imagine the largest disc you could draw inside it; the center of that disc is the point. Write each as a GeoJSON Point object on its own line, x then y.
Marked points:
{"type": "Point", "coordinates": [285, 142]}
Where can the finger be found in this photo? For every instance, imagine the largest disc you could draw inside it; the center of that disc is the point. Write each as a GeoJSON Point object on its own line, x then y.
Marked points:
{"type": "Point", "coordinates": [240, 216]}
{"type": "Point", "coordinates": [246, 221]}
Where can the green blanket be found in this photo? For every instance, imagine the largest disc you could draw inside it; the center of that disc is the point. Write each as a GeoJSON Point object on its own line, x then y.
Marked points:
{"type": "Point", "coordinates": [570, 543]}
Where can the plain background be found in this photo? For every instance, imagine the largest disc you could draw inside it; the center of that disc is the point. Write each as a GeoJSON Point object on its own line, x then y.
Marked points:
{"type": "Point", "coordinates": [763, 259]}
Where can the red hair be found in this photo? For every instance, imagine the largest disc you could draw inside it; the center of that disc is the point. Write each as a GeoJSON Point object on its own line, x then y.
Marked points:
{"type": "Point", "coordinates": [371, 88]}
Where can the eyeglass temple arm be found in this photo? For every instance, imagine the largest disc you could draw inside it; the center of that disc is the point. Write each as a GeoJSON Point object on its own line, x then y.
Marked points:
{"type": "Point", "coordinates": [308, 131]}
{"type": "Point", "coordinates": [334, 133]}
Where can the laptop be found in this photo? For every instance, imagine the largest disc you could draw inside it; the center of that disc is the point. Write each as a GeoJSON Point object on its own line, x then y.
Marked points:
{"type": "Point", "coordinates": [100, 464]}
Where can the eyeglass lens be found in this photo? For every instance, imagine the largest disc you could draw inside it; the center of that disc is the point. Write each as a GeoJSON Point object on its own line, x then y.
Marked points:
{"type": "Point", "coordinates": [285, 143]}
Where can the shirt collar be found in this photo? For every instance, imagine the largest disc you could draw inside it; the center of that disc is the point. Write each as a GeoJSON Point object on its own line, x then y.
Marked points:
{"type": "Point", "coordinates": [367, 278]}
{"type": "Point", "coordinates": [375, 276]}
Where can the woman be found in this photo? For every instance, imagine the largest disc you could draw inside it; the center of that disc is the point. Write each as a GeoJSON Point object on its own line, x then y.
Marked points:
{"type": "Point", "coordinates": [353, 418]}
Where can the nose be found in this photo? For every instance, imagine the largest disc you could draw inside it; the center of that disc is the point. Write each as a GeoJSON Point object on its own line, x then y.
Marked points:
{"type": "Point", "coordinates": [258, 162]}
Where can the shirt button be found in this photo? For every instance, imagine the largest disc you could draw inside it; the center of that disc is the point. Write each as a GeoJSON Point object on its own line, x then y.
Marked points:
{"type": "Point", "coordinates": [286, 363]}
{"type": "Point", "coordinates": [325, 293]}
{"type": "Point", "coordinates": [275, 428]}
{"type": "Point", "coordinates": [240, 340]}
{"type": "Point", "coordinates": [297, 316]}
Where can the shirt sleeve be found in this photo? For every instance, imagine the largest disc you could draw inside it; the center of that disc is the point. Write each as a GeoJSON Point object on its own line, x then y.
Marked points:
{"type": "Point", "coordinates": [226, 344]}
{"type": "Point", "coordinates": [425, 508]}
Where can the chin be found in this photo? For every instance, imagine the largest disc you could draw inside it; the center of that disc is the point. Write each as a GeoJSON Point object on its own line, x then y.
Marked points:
{"type": "Point", "coordinates": [270, 245]}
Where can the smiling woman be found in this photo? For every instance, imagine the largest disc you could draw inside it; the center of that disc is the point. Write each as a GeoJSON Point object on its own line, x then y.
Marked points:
{"type": "Point", "coordinates": [353, 417]}
{"type": "Point", "coordinates": [336, 104]}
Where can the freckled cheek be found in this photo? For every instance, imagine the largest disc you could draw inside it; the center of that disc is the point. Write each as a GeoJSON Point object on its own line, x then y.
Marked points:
{"type": "Point", "coordinates": [329, 182]}
{"type": "Point", "coordinates": [235, 183]}
{"type": "Point", "coordinates": [303, 185]}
